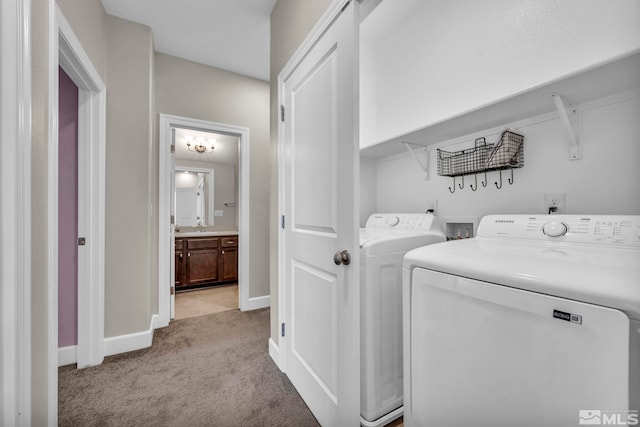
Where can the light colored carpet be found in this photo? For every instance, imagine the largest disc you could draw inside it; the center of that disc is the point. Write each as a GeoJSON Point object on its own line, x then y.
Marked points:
{"type": "Point", "coordinates": [211, 370]}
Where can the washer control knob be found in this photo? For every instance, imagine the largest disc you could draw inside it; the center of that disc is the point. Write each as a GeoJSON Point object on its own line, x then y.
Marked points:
{"type": "Point", "coordinates": [555, 229]}
{"type": "Point", "coordinates": [394, 221]}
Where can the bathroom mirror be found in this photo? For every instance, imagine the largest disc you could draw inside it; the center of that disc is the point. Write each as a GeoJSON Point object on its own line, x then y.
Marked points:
{"type": "Point", "coordinates": [194, 198]}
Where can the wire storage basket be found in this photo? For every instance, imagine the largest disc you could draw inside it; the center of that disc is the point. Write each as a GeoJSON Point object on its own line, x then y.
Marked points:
{"type": "Point", "coordinates": [508, 153]}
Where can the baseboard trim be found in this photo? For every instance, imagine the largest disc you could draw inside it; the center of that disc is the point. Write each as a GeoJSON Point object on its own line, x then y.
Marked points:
{"type": "Point", "coordinates": [157, 322]}
{"type": "Point", "coordinates": [67, 355]}
{"type": "Point", "coordinates": [130, 342]}
{"type": "Point", "coordinates": [274, 352]}
{"type": "Point", "coordinates": [257, 302]}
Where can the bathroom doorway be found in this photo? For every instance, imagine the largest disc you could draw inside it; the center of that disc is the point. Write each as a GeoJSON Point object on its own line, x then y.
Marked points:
{"type": "Point", "coordinates": [205, 210]}
{"type": "Point", "coordinates": [224, 149]}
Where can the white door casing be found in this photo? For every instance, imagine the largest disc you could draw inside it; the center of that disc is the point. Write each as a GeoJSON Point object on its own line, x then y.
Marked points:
{"type": "Point", "coordinates": [320, 168]}
{"type": "Point", "coordinates": [165, 238]}
{"type": "Point", "coordinates": [66, 51]}
{"type": "Point", "coordinates": [172, 228]}
{"type": "Point", "coordinates": [91, 192]}
{"type": "Point", "coordinates": [15, 215]}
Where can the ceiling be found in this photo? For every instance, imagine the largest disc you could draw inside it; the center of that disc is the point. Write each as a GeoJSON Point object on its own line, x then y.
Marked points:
{"type": "Point", "coordinates": [230, 34]}
{"type": "Point", "coordinates": [226, 147]}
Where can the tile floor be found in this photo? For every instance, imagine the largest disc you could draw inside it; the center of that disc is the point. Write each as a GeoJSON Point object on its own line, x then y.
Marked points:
{"type": "Point", "coordinates": [206, 301]}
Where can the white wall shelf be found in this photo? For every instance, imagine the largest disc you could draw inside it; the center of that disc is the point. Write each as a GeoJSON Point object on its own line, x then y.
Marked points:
{"type": "Point", "coordinates": [617, 76]}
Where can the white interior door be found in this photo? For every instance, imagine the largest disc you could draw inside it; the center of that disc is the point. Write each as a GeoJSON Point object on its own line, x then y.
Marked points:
{"type": "Point", "coordinates": [321, 340]}
{"type": "Point", "coordinates": [172, 227]}
{"type": "Point", "coordinates": [187, 206]}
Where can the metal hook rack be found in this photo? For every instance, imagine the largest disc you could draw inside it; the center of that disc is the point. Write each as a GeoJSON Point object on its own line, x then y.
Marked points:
{"type": "Point", "coordinates": [506, 154]}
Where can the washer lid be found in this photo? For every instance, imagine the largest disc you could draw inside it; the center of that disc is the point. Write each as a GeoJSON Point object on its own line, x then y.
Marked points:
{"type": "Point", "coordinates": [602, 275]}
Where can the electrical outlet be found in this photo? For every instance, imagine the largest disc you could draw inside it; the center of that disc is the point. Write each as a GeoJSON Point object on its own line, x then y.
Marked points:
{"type": "Point", "coordinates": [555, 200]}
{"type": "Point", "coordinates": [432, 205]}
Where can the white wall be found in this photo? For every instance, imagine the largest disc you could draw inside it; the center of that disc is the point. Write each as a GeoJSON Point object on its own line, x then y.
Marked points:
{"type": "Point", "coordinates": [129, 284]}
{"type": "Point", "coordinates": [186, 180]}
{"type": "Point", "coordinates": [604, 181]}
{"type": "Point", "coordinates": [188, 89]}
{"type": "Point", "coordinates": [368, 186]}
{"type": "Point", "coordinates": [449, 57]}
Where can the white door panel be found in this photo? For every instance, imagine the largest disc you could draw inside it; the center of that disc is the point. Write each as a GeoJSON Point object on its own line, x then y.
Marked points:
{"type": "Point", "coordinates": [315, 302]}
{"type": "Point", "coordinates": [315, 148]}
{"type": "Point", "coordinates": [187, 206]}
{"type": "Point", "coordinates": [320, 153]}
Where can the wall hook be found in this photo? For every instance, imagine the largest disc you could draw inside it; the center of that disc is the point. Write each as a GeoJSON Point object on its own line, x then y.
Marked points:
{"type": "Point", "coordinates": [499, 186]}
{"type": "Point", "coordinates": [475, 176]}
{"type": "Point", "coordinates": [510, 179]}
{"type": "Point", "coordinates": [485, 182]}
{"type": "Point", "coordinates": [454, 186]}
{"type": "Point", "coordinates": [461, 186]}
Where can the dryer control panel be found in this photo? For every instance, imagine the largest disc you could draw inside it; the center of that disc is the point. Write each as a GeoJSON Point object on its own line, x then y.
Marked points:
{"type": "Point", "coordinates": [405, 221]}
{"type": "Point", "coordinates": [615, 230]}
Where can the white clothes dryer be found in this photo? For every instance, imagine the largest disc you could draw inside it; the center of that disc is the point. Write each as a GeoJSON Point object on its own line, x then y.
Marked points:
{"type": "Point", "coordinates": [535, 322]}
{"type": "Point", "coordinates": [383, 244]}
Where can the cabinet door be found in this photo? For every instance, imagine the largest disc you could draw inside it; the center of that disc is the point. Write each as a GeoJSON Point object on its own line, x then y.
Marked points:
{"type": "Point", "coordinates": [229, 264]}
{"type": "Point", "coordinates": [202, 266]}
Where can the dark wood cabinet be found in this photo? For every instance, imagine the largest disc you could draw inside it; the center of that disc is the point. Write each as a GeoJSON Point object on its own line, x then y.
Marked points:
{"type": "Point", "coordinates": [204, 261]}
{"type": "Point", "coordinates": [229, 259]}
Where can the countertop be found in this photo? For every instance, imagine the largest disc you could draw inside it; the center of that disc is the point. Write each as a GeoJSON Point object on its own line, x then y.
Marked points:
{"type": "Point", "coordinates": [206, 233]}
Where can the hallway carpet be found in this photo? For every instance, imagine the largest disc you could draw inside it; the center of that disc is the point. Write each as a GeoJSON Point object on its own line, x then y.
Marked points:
{"type": "Point", "coordinates": [210, 370]}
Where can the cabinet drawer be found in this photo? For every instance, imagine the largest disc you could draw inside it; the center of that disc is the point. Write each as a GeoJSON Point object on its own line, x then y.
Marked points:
{"type": "Point", "coordinates": [179, 244]}
{"type": "Point", "coordinates": [228, 242]}
{"type": "Point", "coordinates": [203, 243]}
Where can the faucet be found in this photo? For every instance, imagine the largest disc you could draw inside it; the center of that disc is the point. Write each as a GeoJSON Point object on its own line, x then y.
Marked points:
{"type": "Point", "coordinates": [201, 226]}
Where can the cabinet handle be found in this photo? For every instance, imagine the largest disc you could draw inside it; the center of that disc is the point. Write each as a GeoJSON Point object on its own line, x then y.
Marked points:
{"type": "Point", "coordinates": [180, 256]}
{"type": "Point", "coordinates": [189, 254]}
{"type": "Point", "coordinates": [231, 243]}
{"type": "Point", "coordinates": [222, 252]}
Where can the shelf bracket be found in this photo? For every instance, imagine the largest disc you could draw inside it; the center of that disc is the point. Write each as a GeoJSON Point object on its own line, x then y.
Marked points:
{"type": "Point", "coordinates": [423, 166]}
{"type": "Point", "coordinates": [570, 123]}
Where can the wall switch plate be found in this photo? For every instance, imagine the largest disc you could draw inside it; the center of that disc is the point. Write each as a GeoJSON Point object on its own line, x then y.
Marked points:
{"type": "Point", "coordinates": [555, 200]}
{"type": "Point", "coordinates": [432, 205]}
{"type": "Point", "coordinates": [217, 213]}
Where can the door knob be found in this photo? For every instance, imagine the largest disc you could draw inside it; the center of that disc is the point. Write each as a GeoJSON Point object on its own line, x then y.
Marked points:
{"type": "Point", "coordinates": [342, 257]}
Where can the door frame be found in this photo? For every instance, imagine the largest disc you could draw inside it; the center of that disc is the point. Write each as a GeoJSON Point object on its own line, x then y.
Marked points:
{"type": "Point", "coordinates": [15, 215]}
{"type": "Point", "coordinates": [165, 280]}
{"type": "Point", "coordinates": [332, 12]}
{"type": "Point", "coordinates": [66, 51]}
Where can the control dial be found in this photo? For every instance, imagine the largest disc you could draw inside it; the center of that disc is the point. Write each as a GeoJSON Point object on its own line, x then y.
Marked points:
{"type": "Point", "coordinates": [393, 221]}
{"type": "Point", "coordinates": [555, 229]}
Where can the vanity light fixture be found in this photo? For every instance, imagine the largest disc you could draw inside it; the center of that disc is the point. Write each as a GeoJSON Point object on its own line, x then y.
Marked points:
{"type": "Point", "coordinates": [199, 147]}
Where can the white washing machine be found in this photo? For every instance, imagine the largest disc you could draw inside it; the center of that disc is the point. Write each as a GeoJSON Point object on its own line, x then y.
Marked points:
{"type": "Point", "coordinates": [383, 244]}
{"type": "Point", "coordinates": [535, 322]}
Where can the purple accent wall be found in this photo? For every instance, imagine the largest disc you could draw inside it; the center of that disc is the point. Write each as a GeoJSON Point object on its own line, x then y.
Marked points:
{"type": "Point", "coordinates": [67, 211]}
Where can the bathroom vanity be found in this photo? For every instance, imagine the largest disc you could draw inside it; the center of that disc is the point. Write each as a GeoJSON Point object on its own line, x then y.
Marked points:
{"type": "Point", "coordinates": [205, 259]}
